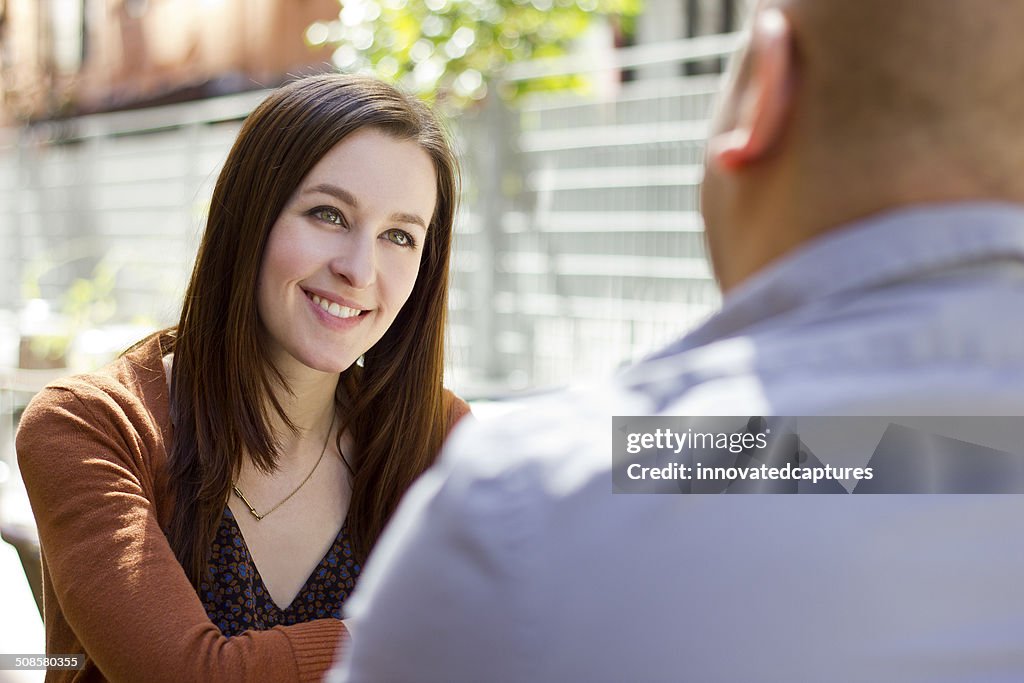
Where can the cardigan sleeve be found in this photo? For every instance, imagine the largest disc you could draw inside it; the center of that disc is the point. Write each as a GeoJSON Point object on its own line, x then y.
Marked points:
{"type": "Point", "coordinates": [121, 596]}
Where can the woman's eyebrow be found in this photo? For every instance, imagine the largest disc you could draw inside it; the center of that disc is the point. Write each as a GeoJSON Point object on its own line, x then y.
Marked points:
{"type": "Point", "coordinates": [348, 198]}
{"type": "Point", "coordinates": [409, 218]}
{"type": "Point", "coordinates": [335, 191]}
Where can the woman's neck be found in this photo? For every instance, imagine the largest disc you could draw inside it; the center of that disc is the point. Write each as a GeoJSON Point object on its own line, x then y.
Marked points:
{"type": "Point", "coordinates": [310, 407]}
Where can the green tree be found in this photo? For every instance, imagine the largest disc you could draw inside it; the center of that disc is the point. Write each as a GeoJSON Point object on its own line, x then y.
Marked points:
{"type": "Point", "coordinates": [454, 49]}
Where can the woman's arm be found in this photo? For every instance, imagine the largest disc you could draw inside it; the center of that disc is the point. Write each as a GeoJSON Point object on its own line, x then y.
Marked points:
{"type": "Point", "coordinates": [120, 593]}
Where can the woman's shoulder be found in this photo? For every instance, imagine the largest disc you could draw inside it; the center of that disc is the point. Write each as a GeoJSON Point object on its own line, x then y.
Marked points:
{"type": "Point", "coordinates": [454, 409]}
{"type": "Point", "coordinates": [135, 376]}
{"type": "Point", "coordinates": [122, 401]}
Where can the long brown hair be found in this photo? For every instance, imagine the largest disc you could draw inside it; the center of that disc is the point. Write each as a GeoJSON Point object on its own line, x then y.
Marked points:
{"type": "Point", "coordinates": [222, 385]}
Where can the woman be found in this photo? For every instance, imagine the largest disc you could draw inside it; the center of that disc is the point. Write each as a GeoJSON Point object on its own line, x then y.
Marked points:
{"type": "Point", "coordinates": [228, 476]}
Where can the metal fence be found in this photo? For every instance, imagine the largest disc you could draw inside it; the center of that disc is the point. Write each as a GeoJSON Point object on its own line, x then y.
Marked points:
{"type": "Point", "coordinates": [582, 247]}
{"type": "Point", "coordinates": [126, 191]}
{"type": "Point", "coordinates": [579, 245]}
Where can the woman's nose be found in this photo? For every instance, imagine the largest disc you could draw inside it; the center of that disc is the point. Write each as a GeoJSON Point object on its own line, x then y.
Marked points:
{"type": "Point", "coordinates": [356, 261]}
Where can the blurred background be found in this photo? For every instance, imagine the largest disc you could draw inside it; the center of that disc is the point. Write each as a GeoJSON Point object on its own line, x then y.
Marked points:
{"type": "Point", "coordinates": [580, 125]}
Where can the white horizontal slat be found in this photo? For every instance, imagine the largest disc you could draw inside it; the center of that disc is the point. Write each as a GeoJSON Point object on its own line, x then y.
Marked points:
{"type": "Point", "coordinates": [537, 263]}
{"type": "Point", "coordinates": [613, 136]}
{"type": "Point", "coordinates": [600, 178]}
{"type": "Point", "coordinates": [606, 222]}
{"type": "Point", "coordinates": [691, 49]}
{"type": "Point", "coordinates": [599, 308]}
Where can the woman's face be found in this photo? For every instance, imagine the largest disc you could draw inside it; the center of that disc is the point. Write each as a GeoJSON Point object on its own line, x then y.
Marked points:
{"type": "Point", "coordinates": [341, 259]}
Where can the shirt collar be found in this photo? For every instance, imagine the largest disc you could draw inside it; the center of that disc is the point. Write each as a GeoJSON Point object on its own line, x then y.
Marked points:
{"type": "Point", "coordinates": [897, 245]}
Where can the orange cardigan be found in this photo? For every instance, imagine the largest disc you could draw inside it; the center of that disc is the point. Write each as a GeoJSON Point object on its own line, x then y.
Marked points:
{"type": "Point", "coordinates": [92, 451]}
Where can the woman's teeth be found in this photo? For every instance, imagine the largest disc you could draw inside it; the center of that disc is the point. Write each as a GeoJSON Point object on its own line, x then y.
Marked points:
{"type": "Point", "coordinates": [335, 309]}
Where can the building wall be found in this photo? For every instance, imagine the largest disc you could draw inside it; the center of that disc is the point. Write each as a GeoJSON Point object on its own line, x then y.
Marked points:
{"type": "Point", "coordinates": [78, 56]}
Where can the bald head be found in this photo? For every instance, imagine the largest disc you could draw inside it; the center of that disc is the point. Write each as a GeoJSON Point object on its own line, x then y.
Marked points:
{"type": "Point", "coordinates": [841, 109]}
{"type": "Point", "coordinates": [939, 79]}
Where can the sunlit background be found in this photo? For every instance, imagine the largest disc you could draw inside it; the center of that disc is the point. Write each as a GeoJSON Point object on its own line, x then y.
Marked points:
{"type": "Point", "coordinates": [580, 125]}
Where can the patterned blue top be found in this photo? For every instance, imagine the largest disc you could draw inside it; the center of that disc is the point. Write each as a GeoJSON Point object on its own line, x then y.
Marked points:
{"type": "Point", "coordinates": [237, 600]}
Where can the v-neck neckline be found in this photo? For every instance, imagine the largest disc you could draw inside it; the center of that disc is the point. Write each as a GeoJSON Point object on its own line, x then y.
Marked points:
{"type": "Point", "coordinates": [257, 577]}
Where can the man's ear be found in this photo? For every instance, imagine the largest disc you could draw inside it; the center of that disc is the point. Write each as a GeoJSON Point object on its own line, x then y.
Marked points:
{"type": "Point", "coordinates": [765, 96]}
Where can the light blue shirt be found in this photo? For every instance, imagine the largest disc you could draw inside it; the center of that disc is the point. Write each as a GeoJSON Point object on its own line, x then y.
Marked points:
{"type": "Point", "coordinates": [511, 560]}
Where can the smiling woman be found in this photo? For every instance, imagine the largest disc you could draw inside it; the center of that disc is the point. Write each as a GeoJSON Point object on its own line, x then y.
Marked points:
{"type": "Point", "coordinates": [228, 476]}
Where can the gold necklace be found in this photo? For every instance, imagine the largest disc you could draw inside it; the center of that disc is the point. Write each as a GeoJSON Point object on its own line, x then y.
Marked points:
{"type": "Point", "coordinates": [258, 516]}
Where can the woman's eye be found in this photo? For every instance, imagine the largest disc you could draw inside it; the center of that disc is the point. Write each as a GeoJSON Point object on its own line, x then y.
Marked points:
{"type": "Point", "coordinates": [328, 215]}
{"type": "Point", "coordinates": [400, 237]}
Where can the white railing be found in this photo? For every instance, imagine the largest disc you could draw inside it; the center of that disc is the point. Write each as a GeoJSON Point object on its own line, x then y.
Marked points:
{"type": "Point", "coordinates": [598, 256]}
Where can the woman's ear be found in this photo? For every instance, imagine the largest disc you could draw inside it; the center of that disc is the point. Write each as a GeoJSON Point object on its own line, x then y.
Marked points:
{"type": "Point", "coordinates": [763, 99]}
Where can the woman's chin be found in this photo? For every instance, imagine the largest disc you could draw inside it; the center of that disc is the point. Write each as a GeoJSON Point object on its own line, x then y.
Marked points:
{"type": "Point", "coordinates": [332, 365]}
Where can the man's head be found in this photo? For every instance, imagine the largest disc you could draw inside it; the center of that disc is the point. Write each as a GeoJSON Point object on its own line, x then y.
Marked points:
{"type": "Point", "coordinates": [836, 110]}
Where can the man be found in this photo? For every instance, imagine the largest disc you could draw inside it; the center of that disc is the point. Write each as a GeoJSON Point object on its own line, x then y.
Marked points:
{"type": "Point", "coordinates": [864, 201]}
